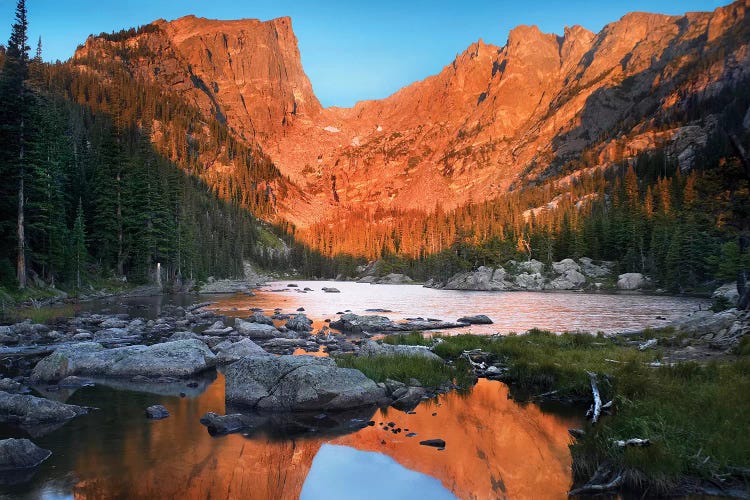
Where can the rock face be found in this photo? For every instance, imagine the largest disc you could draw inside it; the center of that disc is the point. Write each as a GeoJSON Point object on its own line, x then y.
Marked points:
{"type": "Point", "coordinates": [298, 383]}
{"type": "Point", "coordinates": [522, 108]}
{"type": "Point", "coordinates": [21, 454]}
{"type": "Point", "coordinates": [29, 411]}
{"type": "Point", "coordinates": [181, 358]}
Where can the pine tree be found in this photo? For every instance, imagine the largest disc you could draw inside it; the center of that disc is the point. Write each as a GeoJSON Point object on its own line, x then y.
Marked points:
{"type": "Point", "coordinates": [79, 244]}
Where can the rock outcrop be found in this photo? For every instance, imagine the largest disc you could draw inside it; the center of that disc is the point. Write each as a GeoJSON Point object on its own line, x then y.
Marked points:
{"type": "Point", "coordinates": [298, 383]}
{"type": "Point", "coordinates": [372, 349]}
{"type": "Point", "coordinates": [20, 454]}
{"type": "Point", "coordinates": [181, 358]}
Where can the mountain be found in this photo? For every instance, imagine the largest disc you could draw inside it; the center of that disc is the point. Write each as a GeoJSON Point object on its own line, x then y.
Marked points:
{"type": "Point", "coordinates": [492, 119]}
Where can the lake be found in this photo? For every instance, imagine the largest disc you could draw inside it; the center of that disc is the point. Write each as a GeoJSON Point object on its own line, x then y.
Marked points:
{"type": "Point", "coordinates": [495, 446]}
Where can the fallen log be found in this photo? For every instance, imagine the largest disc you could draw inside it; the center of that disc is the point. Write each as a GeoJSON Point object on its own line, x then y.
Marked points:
{"type": "Point", "coordinates": [597, 408]}
{"type": "Point", "coordinates": [597, 488]}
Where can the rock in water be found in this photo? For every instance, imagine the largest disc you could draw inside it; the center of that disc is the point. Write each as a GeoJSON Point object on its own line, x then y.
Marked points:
{"type": "Point", "coordinates": [479, 319]}
{"type": "Point", "coordinates": [27, 410]}
{"type": "Point", "coordinates": [21, 454]}
{"type": "Point", "coordinates": [181, 358]}
{"type": "Point", "coordinates": [299, 383]}
{"type": "Point", "coordinates": [157, 412]}
{"type": "Point", "coordinates": [233, 352]}
{"type": "Point", "coordinates": [255, 330]}
{"type": "Point", "coordinates": [299, 323]}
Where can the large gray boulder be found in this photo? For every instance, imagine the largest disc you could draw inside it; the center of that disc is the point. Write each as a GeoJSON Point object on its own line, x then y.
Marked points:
{"type": "Point", "coordinates": [526, 281]}
{"type": "Point", "coordinates": [255, 330]}
{"type": "Point", "coordinates": [631, 281]}
{"type": "Point", "coordinates": [484, 278]}
{"type": "Point", "coordinates": [565, 265]}
{"type": "Point", "coordinates": [233, 352]}
{"type": "Point", "coordinates": [569, 280]}
{"type": "Point", "coordinates": [374, 349]}
{"type": "Point", "coordinates": [26, 410]}
{"type": "Point", "coordinates": [354, 323]}
{"type": "Point", "coordinates": [588, 268]}
{"type": "Point", "coordinates": [394, 279]}
{"type": "Point", "coordinates": [299, 383]}
{"type": "Point", "coordinates": [728, 292]}
{"type": "Point", "coordinates": [181, 358]}
{"type": "Point", "coordinates": [21, 454]}
{"type": "Point", "coordinates": [531, 266]}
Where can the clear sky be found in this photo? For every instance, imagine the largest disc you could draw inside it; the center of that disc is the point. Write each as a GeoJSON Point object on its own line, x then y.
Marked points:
{"type": "Point", "coordinates": [351, 50]}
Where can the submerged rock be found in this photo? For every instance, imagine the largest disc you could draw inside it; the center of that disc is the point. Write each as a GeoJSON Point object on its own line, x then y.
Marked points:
{"type": "Point", "coordinates": [181, 358]}
{"type": "Point", "coordinates": [298, 383]}
{"type": "Point", "coordinates": [21, 454]}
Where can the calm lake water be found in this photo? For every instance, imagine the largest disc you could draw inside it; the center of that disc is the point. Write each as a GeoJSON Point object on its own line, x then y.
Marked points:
{"type": "Point", "coordinates": [495, 447]}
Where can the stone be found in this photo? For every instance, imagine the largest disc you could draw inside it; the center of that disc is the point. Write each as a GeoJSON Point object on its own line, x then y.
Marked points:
{"type": "Point", "coordinates": [157, 412]}
{"type": "Point", "coordinates": [588, 268]}
{"type": "Point", "coordinates": [255, 330]}
{"type": "Point", "coordinates": [478, 319]}
{"type": "Point", "coordinates": [27, 411]}
{"type": "Point", "coordinates": [631, 281]}
{"type": "Point", "coordinates": [394, 279]}
{"type": "Point", "coordinates": [354, 323]}
{"type": "Point", "coordinates": [728, 292]}
{"type": "Point", "coordinates": [299, 323]}
{"type": "Point", "coordinates": [565, 265]}
{"type": "Point", "coordinates": [219, 425]}
{"type": "Point", "coordinates": [526, 281]}
{"type": "Point", "coordinates": [259, 317]}
{"type": "Point", "coordinates": [569, 280]}
{"type": "Point", "coordinates": [330, 289]}
{"type": "Point", "coordinates": [484, 278]}
{"type": "Point", "coordinates": [409, 399]}
{"type": "Point", "coordinates": [10, 385]}
{"type": "Point", "coordinates": [21, 454]}
{"type": "Point", "coordinates": [437, 443]}
{"type": "Point", "coordinates": [181, 358]}
{"type": "Point", "coordinates": [298, 383]}
{"type": "Point", "coordinates": [233, 352]}
{"type": "Point", "coordinates": [371, 348]}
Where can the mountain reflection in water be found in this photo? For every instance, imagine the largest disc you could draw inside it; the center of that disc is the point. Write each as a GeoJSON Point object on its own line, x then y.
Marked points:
{"type": "Point", "coordinates": [495, 447]}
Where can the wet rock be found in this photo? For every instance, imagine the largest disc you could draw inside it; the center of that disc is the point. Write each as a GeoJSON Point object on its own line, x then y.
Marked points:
{"type": "Point", "coordinates": [21, 454]}
{"type": "Point", "coordinates": [181, 358]}
{"type": "Point", "coordinates": [75, 382]}
{"type": "Point", "coordinates": [354, 323]}
{"type": "Point", "coordinates": [157, 412]}
{"type": "Point", "coordinates": [233, 352]}
{"type": "Point", "coordinates": [631, 281]}
{"type": "Point", "coordinates": [259, 317]}
{"type": "Point", "coordinates": [409, 399]}
{"type": "Point", "coordinates": [393, 279]}
{"type": "Point", "coordinates": [479, 319]}
{"type": "Point", "coordinates": [331, 290]}
{"type": "Point", "coordinates": [219, 425]}
{"type": "Point", "coordinates": [184, 336]}
{"type": "Point", "coordinates": [218, 328]}
{"type": "Point", "coordinates": [28, 411]}
{"type": "Point", "coordinates": [255, 330]}
{"type": "Point", "coordinates": [10, 385]}
{"type": "Point", "coordinates": [437, 443]}
{"type": "Point", "coordinates": [298, 383]}
{"type": "Point", "coordinates": [299, 323]}
{"type": "Point", "coordinates": [371, 348]}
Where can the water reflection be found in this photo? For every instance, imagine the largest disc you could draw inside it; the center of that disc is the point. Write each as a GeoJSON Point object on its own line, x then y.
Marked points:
{"type": "Point", "coordinates": [510, 311]}
{"type": "Point", "coordinates": [495, 447]}
{"type": "Point", "coordinates": [341, 472]}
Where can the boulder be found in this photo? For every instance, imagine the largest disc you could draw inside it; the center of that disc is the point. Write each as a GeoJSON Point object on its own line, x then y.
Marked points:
{"type": "Point", "coordinates": [10, 385]}
{"type": "Point", "coordinates": [728, 292]}
{"type": "Point", "coordinates": [299, 323]}
{"type": "Point", "coordinates": [21, 454]}
{"type": "Point", "coordinates": [565, 265]}
{"type": "Point", "coordinates": [259, 317]}
{"type": "Point", "coordinates": [233, 352]}
{"type": "Point", "coordinates": [219, 425]}
{"type": "Point", "coordinates": [706, 322]}
{"type": "Point", "coordinates": [354, 323]}
{"type": "Point", "coordinates": [181, 358]}
{"type": "Point", "coordinates": [526, 281]}
{"type": "Point", "coordinates": [484, 278]}
{"type": "Point", "coordinates": [588, 268]}
{"type": "Point", "coordinates": [532, 266]}
{"type": "Point", "coordinates": [28, 411]}
{"type": "Point", "coordinates": [157, 412]}
{"type": "Point", "coordinates": [478, 319]}
{"type": "Point", "coordinates": [409, 398]}
{"type": "Point", "coordinates": [569, 280]}
{"type": "Point", "coordinates": [394, 279]}
{"type": "Point", "coordinates": [255, 330]}
{"type": "Point", "coordinates": [631, 281]}
{"type": "Point", "coordinates": [330, 289]}
{"type": "Point", "coordinates": [298, 383]}
{"type": "Point", "coordinates": [371, 348]}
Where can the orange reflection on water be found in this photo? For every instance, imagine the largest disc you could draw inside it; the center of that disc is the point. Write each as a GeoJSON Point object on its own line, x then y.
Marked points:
{"type": "Point", "coordinates": [495, 448]}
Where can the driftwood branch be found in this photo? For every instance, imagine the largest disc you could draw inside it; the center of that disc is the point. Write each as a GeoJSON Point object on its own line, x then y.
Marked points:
{"type": "Point", "coordinates": [648, 344]}
{"type": "Point", "coordinates": [597, 407]}
{"type": "Point", "coordinates": [632, 442]}
{"type": "Point", "coordinates": [597, 482]}
{"type": "Point", "coordinates": [474, 365]}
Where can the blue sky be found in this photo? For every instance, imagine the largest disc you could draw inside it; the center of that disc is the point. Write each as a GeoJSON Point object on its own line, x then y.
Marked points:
{"type": "Point", "coordinates": [351, 50]}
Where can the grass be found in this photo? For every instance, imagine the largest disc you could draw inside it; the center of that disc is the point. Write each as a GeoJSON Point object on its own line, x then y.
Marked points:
{"type": "Point", "coordinates": [430, 372]}
{"type": "Point", "coordinates": [15, 314]}
{"type": "Point", "coordinates": [694, 414]}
